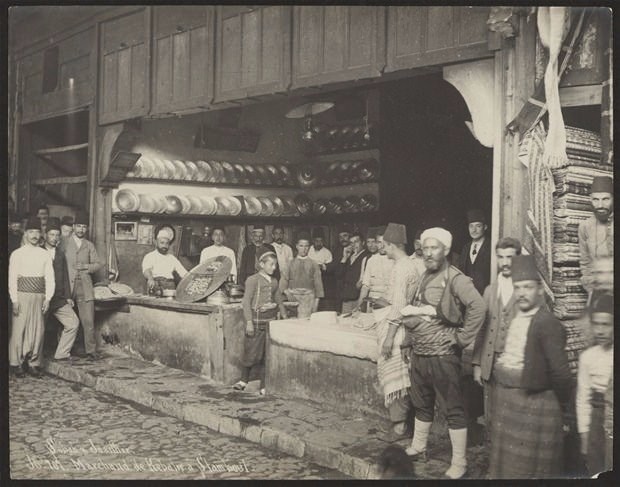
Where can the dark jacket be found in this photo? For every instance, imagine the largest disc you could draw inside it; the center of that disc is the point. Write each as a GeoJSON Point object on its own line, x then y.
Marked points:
{"type": "Point", "coordinates": [491, 330]}
{"type": "Point", "coordinates": [248, 261]}
{"type": "Point", "coordinates": [349, 274]}
{"type": "Point", "coordinates": [63, 285]}
{"type": "Point", "coordinates": [480, 270]}
{"type": "Point", "coordinates": [332, 279]}
{"type": "Point", "coordinates": [546, 361]}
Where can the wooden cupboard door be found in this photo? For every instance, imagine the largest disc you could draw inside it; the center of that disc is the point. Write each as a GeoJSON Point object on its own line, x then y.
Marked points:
{"type": "Point", "coordinates": [253, 51]}
{"type": "Point", "coordinates": [423, 36]}
{"type": "Point", "coordinates": [337, 43]}
{"type": "Point", "coordinates": [124, 67]}
{"type": "Point", "coordinates": [183, 57]}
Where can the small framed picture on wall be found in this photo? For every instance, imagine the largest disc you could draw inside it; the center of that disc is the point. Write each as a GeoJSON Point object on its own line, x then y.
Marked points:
{"type": "Point", "coordinates": [145, 234]}
{"type": "Point", "coordinates": [125, 230]}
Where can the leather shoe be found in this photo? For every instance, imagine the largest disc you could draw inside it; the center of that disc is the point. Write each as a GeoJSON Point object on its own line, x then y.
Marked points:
{"type": "Point", "coordinates": [92, 357]}
{"type": "Point", "coordinates": [17, 371]}
{"type": "Point", "coordinates": [64, 360]}
{"type": "Point", "coordinates": [35, 371]}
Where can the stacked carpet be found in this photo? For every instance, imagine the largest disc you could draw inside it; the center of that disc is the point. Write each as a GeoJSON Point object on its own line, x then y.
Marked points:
{"type": "Point", "coordinates": [571, 205]}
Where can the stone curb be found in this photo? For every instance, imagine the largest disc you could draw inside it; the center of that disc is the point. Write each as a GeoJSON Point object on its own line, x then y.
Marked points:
{"type": "Point", "coordinates": [201, 414]}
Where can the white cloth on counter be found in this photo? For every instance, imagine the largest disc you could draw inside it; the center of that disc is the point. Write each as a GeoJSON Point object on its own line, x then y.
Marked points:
{"type": "Point", "coordinates": [217, 250]}
{"type": "Point", "coordinates": [341, 339]}
{"type": "Point", "coordinates": [162, 265]}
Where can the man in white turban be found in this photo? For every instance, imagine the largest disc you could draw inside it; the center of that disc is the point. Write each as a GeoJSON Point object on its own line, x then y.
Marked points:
{"type": "Point", "coordinates": [158, 266]}
{"type": "Point", "coordinates": [444, 318]}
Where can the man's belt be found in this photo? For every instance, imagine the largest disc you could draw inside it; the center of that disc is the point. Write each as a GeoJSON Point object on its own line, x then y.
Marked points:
{"type": "Point", "coordinates": [29, 284]}
{"type": "Point", "coordinates": [377, 303]}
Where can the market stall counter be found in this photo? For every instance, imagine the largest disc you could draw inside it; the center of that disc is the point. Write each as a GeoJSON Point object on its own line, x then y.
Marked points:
{"type": "Point", "coordinates": [197, 337]}
{"type": "Point", "coordinates": [328, 361]}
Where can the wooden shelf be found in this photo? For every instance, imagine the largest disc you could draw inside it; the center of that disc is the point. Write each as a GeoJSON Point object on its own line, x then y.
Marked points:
{"type": "Point", "coordinates": [242, 219]}
{"type": "Point", "coordinates": [60, 150]}
{"type": "Point", "coordinates": [60, 180]}
{"type": "Point", "coordinates": [206, 184]}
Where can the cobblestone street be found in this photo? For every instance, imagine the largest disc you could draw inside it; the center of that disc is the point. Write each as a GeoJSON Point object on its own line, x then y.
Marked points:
{"type": "Point", "coordinates": [61, 430]}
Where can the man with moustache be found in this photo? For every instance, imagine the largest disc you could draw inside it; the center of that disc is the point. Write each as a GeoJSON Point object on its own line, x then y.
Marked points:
{"type": "Point", "coordinates": [82, 262]}
{"type": "Point", "coordinates": [596, 234]}
{"type": "Point", "coordinates": [283, 250]}
{"type": "Point", "coordinates": [475, 259]}
{"type": "Point", "coordinates": [532, 386]}
{"type": "Point", "coordinates": [501, 309]}
{"type": "Point", "coordinates": [61, 304]}
{"type": "Point", "coordinates": [445, 318]}
{"type": "Point", "coordinates": [333, 277]}
{"type": "Point", "coordinates": [31, 288]}
{"type": "Point", "coordinates": [159, 267]}
{"type": "Point", "coordinates": [323, 257]}
{"type": "Point", "coordinates": [252, 252]}
{"type": "Point", "coordinates": [349, 272]}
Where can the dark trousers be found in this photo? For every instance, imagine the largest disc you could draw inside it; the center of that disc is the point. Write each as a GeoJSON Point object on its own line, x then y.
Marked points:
{"type": "Point", "coordinates": [438, 378]}
{"type": "Point", "coordinates": [253, 359]}
{"type": "Point", "coordinates": [86, 312]}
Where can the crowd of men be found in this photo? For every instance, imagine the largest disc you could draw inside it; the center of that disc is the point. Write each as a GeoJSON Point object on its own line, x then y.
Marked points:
{"type": "Point", "coordinates": [50, 267]}
{"type": "Point", "coordinates": [425, 308]}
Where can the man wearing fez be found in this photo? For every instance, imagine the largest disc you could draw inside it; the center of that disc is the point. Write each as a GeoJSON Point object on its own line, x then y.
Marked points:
{"type": "Point", "coordinates": [392, 369]}
{"type": "Point", "coordinates": [16, 233]}
{"type": "Point", "coordinates": [31, 287]}
{"type": "Point", "coordinates": [252, 252]}
{"type": "Point", "coordinates": [82, 262]}
{"type": "Point", "coordinates": [596, 366]}
{"type": "Point", "coordinates": [303, 273]}
{"type": "Point", "coordinates": [596, 234]}
{"type": "Point", "coordinates": [501, 309]}
{"type": "Point", "coordinates": [475, 259]}
{"type": "Point", "coordinates": [66, 226]}
{"type": "Point", "coordinates": [158, 266]}
{"type": "Point", "coordinates": [446, 315]}
{"type": "Point", "coordinates": [532, 386]}
{"type": "Point", "coordinates": [61, 305]}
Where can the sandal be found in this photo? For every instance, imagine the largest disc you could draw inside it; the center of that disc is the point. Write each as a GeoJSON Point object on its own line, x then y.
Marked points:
{"type": "Point", "coordinates": [240, 386]}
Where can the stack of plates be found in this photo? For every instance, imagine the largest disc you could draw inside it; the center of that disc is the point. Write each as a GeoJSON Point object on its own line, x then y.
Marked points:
{"type": "Point", "coordinates": [303, 204]}
{"type": "Point", "coordinates": [253, 206]}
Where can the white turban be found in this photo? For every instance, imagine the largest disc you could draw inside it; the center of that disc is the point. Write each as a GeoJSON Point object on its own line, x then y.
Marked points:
{"type": "Point", "coordinates": [165, 232]}
{"type": "Point", "coordinates": [440, 234]}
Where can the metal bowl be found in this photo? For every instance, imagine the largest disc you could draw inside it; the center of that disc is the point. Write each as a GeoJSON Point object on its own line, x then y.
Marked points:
{"type": "Point", "coordinates": [278, 206]}
{"type": "Point", "coordinates": [307, 175]}
{"type": "Point", "coordinates": [303, 204]}
{"type": "Point", "coordinates": [240, 174]}
{"type": "Point", "coordinates": [196, 205]}
{"type": "Point", "coordinates": [368, 170]}
{"type": "Point", "coordinates": [218, 171]}
{"type": "Point", "coordinates": [192, 171]}
{"type": "Point", "coordinates": [267, 206]}
{"type": "Point", "coordinates": [236, 206]}
{"type": "Point", "coordinates": [147, 204]}
{"type": "Point", "coordinates": [335, 205]}
{"type": "Point", "coordinates": [186, 204]}
{"type": "Point", "coordinates": [263, 174]}
{"type": "Point", "coordinates": [169, 169]}
{"type": "Point", "coordinates": [173, 204]}
{"type": "Point", "coordinates": [208, 171]}
{"type": "Point", "coordinates": [253, 206]}
{"type": "Point", "coordinates": [368, 202]}
{"type": "Point", "coordinates": [127, 200]}
{"type": "Point", "coordinates": [229, 173]}
{"type": "Point", "coordinates": [320, 206]}
{"type": "Point", "coordinates": [209, 205]}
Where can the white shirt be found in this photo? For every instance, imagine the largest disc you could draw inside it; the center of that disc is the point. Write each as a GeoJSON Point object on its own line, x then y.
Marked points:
{"type": "Point", "coordinates": [595, 368]}
{"type": "Point", "coordinates": [52, 252]}
{"type": "Point", "coordinates": [514, 352]}
{"type": "Point", "coordinates": [476, 246]}
{"type": "Point", "coordinates": [377, 275]}
{"type": "Point", "coordinates": [162, 265]}
{"type": "Point", "coordinates": [504, 288]}
{"type": "Point", "coordinates": [323, 256]}
{"type": "Point", "coordinates": [217, 250]}
{"type": "Point", "coordinates": [285, 255]}
{"type": "Point", "coordinates": [31, 261]}
{"type": "Point", "coordinates": [78, 241]}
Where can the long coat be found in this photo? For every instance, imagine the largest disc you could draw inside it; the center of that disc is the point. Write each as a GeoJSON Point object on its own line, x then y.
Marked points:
{"type": "Point", "coordinates": [62, 290]}
{"type": "Point", "coordinates": [480, 270]}
{"type": "Point", "coordinates": [496, 323]}
{"type": "Point", "coordinates": [86, 254]}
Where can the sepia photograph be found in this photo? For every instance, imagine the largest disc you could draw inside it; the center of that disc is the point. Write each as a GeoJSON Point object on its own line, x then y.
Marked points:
{"type": "Point", "coordinates": [309, 242]}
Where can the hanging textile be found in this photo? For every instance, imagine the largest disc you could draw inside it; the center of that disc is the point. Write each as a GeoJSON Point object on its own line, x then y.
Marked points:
{"type": "Point", "coordinates": [553, 25]}
{"type": "Point", "coordinates": [113, 271]}
{"type": "Point", "coordinates": [536, 107]}
{"type": "Point", "coordinates": [607, 103]}
{"type": "Point", "coordinates": [539, 223]}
